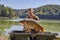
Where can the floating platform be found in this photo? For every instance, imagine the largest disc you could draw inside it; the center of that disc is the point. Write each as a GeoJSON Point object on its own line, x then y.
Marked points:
{"type": "Point", "coordinates": [21, 35]}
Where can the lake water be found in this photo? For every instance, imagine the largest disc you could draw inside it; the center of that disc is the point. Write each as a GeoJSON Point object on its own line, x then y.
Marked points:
{"type": "Point", "coordinates": [18, 28]}
{"type": "Point", "coordinates": [14, 27]}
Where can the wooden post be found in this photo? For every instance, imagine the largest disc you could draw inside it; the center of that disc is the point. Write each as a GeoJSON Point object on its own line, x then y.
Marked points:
{"type": "Point", "coordinates": [32, 36]}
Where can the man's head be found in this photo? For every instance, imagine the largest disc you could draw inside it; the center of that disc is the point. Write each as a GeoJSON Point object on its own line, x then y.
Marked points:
{"type": "Point", "coordinates": [30, 10]}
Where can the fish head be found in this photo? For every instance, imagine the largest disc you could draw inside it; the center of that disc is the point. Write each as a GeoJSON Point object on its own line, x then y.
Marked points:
{"type": "Point", "coordinates": [22, 22]}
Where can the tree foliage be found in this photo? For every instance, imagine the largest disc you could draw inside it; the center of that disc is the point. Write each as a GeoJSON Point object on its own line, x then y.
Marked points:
{"type": "Point", "coordinates": [45, 12]}
{"type": "Point", "coordinates": [7, 11]}
{"type": "Point", "coordinates": [48, 11]}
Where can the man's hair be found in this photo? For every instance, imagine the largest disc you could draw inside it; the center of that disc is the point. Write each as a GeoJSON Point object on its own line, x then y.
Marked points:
{"type": "Point", "coordinates": [30, 8]}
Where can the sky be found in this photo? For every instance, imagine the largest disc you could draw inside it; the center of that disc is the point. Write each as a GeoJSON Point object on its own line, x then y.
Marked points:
{"type": "Point", "coordinates": [23, 4]}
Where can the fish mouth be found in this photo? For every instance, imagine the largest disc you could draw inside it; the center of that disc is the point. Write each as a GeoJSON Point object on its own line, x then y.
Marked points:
{"type": "Point", "coordinates": [21, 23]}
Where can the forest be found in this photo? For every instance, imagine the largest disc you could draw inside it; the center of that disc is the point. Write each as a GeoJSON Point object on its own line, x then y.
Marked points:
{"type": "Point", "coordinates": [7, 11]}
{"type": "Point", "coordinates": [43, 12]}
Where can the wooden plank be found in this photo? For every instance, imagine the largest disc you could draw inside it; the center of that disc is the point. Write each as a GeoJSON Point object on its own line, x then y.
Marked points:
{"type": "Point", "coordinates": [38, 36]}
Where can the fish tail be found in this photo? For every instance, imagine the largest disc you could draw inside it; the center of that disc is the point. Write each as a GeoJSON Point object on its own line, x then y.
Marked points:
{"type": "Point", "coordinates": [42, 29]}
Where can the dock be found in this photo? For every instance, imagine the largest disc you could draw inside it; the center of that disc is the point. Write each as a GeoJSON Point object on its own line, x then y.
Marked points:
{"type": "Point", "coordinates": [21, 35]}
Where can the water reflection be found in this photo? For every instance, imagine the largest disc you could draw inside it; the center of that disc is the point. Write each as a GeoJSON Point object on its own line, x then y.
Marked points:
{"type": "Point", "coordinates": [18, 28]}
{"type": "Point", "coordinates": [14, 27]}
{"type": "Point", "coordinates": [59, 33]}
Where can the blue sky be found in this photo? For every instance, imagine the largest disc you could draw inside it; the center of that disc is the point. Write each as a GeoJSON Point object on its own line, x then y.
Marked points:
{"type": "Point", "coordinates": [23, 4]}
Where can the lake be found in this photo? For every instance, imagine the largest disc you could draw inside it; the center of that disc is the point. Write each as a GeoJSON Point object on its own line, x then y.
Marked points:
{"type": "Point", "coordinates": [18, 28]}
{"type": "Point", "coordinates": [9, 25]}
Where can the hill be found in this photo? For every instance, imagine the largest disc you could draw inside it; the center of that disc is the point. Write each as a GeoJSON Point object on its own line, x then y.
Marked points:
{"type": "Point", "coordinates": [48, 9]}
{"type": "Point", "coordinates": [43, 12]}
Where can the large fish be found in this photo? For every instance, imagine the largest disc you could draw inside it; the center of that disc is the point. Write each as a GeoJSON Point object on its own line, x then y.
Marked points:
{"type": "Point", "coordinates": [31, 24]}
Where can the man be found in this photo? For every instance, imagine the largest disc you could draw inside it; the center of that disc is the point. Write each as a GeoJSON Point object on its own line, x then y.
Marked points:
{"type": "Point", "coordinates": [31, 15]}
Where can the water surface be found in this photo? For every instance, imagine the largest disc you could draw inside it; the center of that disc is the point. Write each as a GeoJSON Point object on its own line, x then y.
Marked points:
{"type": "Point", "coordinates": [18, 28]}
